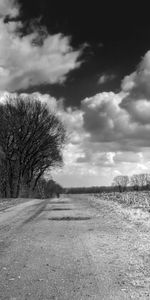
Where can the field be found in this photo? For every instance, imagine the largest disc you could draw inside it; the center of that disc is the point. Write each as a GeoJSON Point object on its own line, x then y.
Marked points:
{"type": "Point", "coordinates": [133, 206]}
{"type": "Point", "coordinates": [140, 199]}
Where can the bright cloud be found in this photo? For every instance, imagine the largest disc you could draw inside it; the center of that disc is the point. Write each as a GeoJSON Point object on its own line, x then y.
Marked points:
{"type": "Point", "coordinates": [34, 58]}
{"type": "Point", "coordinates": [117, 130]}
{"type": "Point", "coordinates": [51, 102]}
{"type": "Point", "coordinates": [137, 85]}
{"type": "Point", "coordinates": [9, 7]}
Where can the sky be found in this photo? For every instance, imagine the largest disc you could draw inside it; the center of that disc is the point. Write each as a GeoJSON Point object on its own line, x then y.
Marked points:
{"type": "Point", "coordinates": [91, 63]}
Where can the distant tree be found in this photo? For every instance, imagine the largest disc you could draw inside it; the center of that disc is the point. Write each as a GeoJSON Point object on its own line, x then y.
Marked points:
{"type": "Point", "coordinates": [143, 179]}
{"type": "Point", "coordinates": [31, 141]}
{"type": "Point", "coordinates": [134, 181]}
{"type": "Point", "coordinates": [140, 180]}
{"type": "Point", "coordinates": [47, 189]}
{"type": "Point", "coordinates": [148, 181]}
{"type": "Point", "coordinates": [121, 181]}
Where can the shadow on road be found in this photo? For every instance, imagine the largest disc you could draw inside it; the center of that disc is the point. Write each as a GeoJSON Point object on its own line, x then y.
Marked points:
{"type": "Point", "coordinates": [58, 202]}
{"type": "Point", "coordinates": [69, 218]}
{"type": "Point", "coordinates": [36, 213]}
{"type": "Point", "coordinates": [58, 209]}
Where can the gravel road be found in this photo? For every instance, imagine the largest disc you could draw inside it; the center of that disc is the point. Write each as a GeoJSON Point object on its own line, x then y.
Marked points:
{"type": "Point", "coordinates": [72, 248]}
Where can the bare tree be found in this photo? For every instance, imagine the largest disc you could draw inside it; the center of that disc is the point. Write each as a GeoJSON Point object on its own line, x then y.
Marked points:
{"type": "Point", "coordinates": [3, 175]}
{"type": "Point", "coordinates": [121, 181]}
{"type": "Point", "coordinates": [143, 179]}
{"type": "Point", "coordinates": [134, 181]}
{"type": "Point", "coordinates": [31, 139]}
{"type": "Point", "coordinates": [140, 180]}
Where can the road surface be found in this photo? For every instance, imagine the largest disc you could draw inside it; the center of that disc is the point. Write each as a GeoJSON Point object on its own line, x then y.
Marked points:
{"type": "Point", "coordinates": [72, 248]}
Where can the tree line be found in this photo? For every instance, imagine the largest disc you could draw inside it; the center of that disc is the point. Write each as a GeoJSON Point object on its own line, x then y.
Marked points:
{"type": "Point", "coordinates": [120, 183]}
{"type": "Point", "coordinates": [45, 189]}
{"type": "Point", "coordinates": [135, 182]}
{"type": "Point", "coordinates": [88, 190]}
{"type": "Point", "coordinates": [31, 142]}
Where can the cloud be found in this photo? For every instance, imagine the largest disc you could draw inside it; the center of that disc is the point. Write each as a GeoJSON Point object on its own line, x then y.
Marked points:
{"type": "Point", "coordinates": [52, 103]}
{"type": "Point", "coordinates": [106, 78]}
{"type": "Point", "coordinates": [116, 130]}
{"type": "Point", "coordinates": [9, 8]}
{"type": "Point", "coordinates": [105, 120]}
{"type": "Point", "coordinates": [109, 133]}
{"type": "Point", "coordinates": [32, 59]}
{"type": "Point", "coordinates": [103, 140]}
{"type": "Point", "coordinates": [137, 86]}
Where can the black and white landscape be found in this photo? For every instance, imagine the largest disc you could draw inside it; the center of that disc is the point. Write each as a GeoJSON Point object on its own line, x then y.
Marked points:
{"type": "Point", "coordinates": [90, 63]}
{"type": "Point", "coordinates": [74, 150]}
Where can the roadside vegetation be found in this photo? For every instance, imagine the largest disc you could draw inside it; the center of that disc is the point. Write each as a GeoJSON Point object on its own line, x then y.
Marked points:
{"type": "Point", "coordinates": [136, 199]}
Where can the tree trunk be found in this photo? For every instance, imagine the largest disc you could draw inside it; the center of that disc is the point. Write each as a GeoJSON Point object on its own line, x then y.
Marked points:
{"type": "Point", "coordinates": [18, 182]}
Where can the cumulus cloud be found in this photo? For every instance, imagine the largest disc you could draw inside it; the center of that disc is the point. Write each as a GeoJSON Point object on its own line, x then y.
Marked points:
{"type": "Point", "coordinates": [137, 86]}
{"type": "Point", "coordinates": [118, 129]}
{"type": "Point", "coordinates": [51, 102]}
{"type": "Point", "coordinates": [108, 135]}
{"type": "Point", "coordinates": [121, 121]}
{"type": "Point", "coordinates": [9, 8]}
{"type": "Point", "coordinates": [32, 59]}
{"type": "Point", "coordinates": [105, 120]}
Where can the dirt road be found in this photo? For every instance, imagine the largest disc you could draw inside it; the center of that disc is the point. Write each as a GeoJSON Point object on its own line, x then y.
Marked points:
{"type": "Point", "coordinates": [72, 248]}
